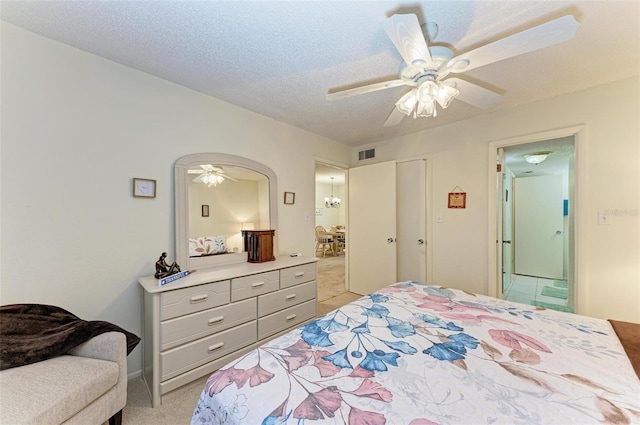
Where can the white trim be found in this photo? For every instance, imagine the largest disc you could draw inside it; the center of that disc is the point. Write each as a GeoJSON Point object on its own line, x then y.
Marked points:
{"type": "Point", "coordinates": [579, 133]}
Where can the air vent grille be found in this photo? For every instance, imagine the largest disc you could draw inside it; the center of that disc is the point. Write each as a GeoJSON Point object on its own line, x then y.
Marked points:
{"type": "Point", "coordinates": [367, 154]}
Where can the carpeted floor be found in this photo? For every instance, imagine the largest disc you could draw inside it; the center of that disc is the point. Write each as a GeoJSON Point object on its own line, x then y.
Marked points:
{"type": "Point", "coordinates": [330, 281]}
{"type": "Point", "coordinates": [177, 406]}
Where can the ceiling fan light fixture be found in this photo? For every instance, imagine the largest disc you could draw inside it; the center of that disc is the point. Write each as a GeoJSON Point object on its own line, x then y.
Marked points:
{"type": "Point", "coordinates": [407, 103]}
{"type": "Point", "coordinates": [446, 94]}
{"type": "Point", "coordinates": [426, 109]}
{"type": "Point", "coordinates": [536, 158]}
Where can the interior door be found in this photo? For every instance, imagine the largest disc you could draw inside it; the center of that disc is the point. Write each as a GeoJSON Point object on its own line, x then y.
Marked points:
{"type": "Point", "coordinates": [539, 238]}
{"type": "Point", "coordinates": [499, 222]}
{"type": "Point", "coordinates": [507, 214]}
{"type": "Point", "coordinates": [372, 227]}
{"type": "Point", "coordinates": [411, 255]}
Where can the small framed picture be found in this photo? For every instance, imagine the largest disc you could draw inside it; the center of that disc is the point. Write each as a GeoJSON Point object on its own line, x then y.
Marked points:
{"type": "Point", "coordinates": [144, 188]}
{"type": "Point", "coordinates": [289, 198]}
{"type": "Point", "coordinates": [205, 210]}
{"type": "Point", "coordinates": [457, 200]}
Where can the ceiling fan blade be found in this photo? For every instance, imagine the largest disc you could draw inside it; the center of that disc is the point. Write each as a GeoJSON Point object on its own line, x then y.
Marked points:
{"type": "Point", "coordinates": [365, 89]}
{"type": "Point", "coordinates": [394, 118]}
{"type": "Point", "coordinates": [406, 34]}
{"type": "Point", "coordinates": [475, 95]}
{"type": "Point", "coordinates": [545, 35]}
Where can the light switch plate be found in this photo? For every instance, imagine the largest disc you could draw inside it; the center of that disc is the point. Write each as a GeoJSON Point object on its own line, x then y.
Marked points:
{"type": "Point", "coordinates": [603, 218]}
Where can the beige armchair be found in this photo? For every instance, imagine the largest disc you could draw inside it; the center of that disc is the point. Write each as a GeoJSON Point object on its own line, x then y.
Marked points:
{"type": "Point", "coordinates": [86, 386]}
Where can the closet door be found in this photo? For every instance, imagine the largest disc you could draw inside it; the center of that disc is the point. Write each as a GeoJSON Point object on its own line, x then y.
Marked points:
{"type": "Point", "coordinates": [372, 227]}
{"type": "Point", "coordinates": [411, 226]}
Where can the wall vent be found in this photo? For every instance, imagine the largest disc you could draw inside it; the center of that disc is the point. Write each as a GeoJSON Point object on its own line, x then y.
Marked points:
{"type": "Point", "coordinates": [368, 154]}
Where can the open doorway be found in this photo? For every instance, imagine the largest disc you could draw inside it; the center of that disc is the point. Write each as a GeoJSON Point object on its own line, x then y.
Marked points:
{"type": "Point", "coordinates": [331, 237]}
{"type": "Point", "coordinates": [537, 203]}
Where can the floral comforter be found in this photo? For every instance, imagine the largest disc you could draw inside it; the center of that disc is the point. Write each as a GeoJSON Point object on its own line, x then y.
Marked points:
{"type": "Point", "coordinates": [417, 354]}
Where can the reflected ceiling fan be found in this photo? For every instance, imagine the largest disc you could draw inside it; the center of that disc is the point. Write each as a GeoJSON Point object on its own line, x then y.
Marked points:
{"type": "Point", "coordinates": [426, 68]}
{"type": "Point", "coordinates": [211, 175]}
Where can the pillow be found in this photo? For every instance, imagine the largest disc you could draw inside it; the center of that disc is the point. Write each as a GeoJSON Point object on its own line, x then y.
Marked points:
{"type": "Point", "coordinates": [207, 245]}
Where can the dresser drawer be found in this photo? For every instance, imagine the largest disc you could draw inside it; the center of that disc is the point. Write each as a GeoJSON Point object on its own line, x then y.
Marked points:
{"type": "Point", "coordinates": [284, 319]}
{"type": "Point", "coordinates": [285, 298]}
{"type": "Point", "coordinates": [196, 298]}
{"type": "Point", "coordinates": [254, 285]}
{"type": "Point", "coordinates": [197, 325]}
{"type": "Point", "coordinates": [186, 357]}
{"type": "Point", "coordinates": [296, 275]}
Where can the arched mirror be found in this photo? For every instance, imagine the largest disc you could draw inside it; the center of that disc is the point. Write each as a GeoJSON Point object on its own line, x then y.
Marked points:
{"type": "Point", "coordinates": [217, 196]}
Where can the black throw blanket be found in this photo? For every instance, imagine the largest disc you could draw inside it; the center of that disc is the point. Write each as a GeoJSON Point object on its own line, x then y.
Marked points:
{"type": "Point", "coordinates": [30, 333]}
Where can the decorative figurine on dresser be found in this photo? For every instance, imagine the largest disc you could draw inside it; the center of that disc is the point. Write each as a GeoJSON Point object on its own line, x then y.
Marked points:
{"type": "Point", "coordinates": [166, 273]}
{"type": "Point", "coordinates": [163, 269]}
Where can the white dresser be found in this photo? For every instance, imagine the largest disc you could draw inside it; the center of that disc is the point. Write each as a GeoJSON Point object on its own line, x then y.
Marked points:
{"type": "Point", "coordinates": [197, 324]}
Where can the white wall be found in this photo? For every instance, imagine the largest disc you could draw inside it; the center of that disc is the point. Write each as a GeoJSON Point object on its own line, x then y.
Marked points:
{"type": "Point", "coordinates": [608, 280]}
{"type": "Point", "coordinates": [76, 129]}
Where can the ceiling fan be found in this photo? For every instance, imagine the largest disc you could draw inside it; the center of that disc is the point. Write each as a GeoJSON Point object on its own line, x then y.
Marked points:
{"type": "Point", "coordinates": [425, 68]}
{"type": "Point", "coordinates": [211, 175]}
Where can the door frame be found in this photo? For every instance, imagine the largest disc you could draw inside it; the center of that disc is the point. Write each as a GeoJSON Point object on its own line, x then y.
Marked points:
{"type": "Point", "coordinates": [579, 225]}
{"type": "Point", "coordinates": [345, 168]}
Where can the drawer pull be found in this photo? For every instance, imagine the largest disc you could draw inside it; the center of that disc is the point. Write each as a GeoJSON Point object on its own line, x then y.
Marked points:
{"type": "Point", "coordinates": [299, 274]}
{"type": "Point", "coordinates": [215, 320]}
{"type": "Point", "coordinates": [257, 284]}
{"type": "Point", "coordinates": [290, 297]}
{"type": "Point", "coordinates": [199, 298]}
{"type": "Point", "coordinates": [216, 347]}
{"type": "Point", "coordinates": [291, 317]}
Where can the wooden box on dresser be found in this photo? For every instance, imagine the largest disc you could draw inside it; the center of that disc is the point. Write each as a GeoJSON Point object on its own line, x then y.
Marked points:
{"type": "Point", "coordinates": [197, 324]}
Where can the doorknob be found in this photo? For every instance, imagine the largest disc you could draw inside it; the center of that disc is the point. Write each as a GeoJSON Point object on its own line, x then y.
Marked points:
{"type": "Point", "coordinates": [420, 241]}
{"type": "Point", "coordinates": [506, 242]}
{"type": "Point", "coordinates": [390, 240]}
{"type": "Point", "coordinates": [558, 232]}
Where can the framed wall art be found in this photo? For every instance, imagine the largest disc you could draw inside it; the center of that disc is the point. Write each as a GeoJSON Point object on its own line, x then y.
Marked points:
{"type": "Point", "coordinates": [205, 210]}
{"type": "Point", "coordinates": [144, 188]}
{"type": "Point", "coordinates": [457, 199]}
{"type": "Point", "coordinates": [289, 198]}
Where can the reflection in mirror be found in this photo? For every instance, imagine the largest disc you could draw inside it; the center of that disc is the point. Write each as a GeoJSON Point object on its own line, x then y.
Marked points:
{"type": "Point", "coordinates": [217, 196]}
{"type": "Point", "coordinates": [223, 201]}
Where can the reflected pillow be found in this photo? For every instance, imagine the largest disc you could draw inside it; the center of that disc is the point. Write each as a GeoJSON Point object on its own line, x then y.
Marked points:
{"type": "Point", "coordinates": [207, 245]}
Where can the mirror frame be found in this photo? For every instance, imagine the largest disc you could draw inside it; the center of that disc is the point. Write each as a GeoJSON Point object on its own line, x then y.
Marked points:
{"type": "Point", "coordinates": [181, 188]}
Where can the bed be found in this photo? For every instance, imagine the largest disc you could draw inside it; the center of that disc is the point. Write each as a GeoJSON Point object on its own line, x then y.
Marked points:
{"type": "Point", "coordinates": [418, 354]}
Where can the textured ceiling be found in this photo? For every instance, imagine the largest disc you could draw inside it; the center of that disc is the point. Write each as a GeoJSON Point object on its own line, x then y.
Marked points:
{"type": "Point", "coordinates": [280, 59]}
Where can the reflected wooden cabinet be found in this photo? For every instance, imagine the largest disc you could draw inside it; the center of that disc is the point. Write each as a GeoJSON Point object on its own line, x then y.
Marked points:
{"type": "Point", "coordinates": [259, 245]}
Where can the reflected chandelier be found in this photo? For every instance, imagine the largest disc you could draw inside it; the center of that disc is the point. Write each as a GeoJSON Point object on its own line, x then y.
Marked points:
{"type": "Point", "coordinates": [332, 202]}
{"type": "Point", "coordinates": [210, 175]}
{"type": "Point", "coordinates": [211, 179]}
